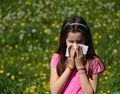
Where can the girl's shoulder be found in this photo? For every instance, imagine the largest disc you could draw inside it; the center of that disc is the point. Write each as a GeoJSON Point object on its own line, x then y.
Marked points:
{"type": "Point", "coordinates": [97, 65]}
{"type": "Point", "coordinates": [56, 55]}
{"type": "Point", "coordinates": [54, 60]}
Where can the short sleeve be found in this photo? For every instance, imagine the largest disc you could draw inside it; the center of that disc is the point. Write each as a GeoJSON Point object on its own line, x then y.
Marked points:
{"type": "Point", "coordinates": [54, 60]}
{"type": "Point", "coordinates": [98, 66]}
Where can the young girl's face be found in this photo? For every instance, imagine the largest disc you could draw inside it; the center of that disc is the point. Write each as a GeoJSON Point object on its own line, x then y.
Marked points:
{"type": "Point", "coordinates": [74, 37]}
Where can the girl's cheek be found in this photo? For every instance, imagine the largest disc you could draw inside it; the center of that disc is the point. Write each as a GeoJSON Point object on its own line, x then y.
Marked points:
{"type": "Point", "coordinates": [68, 44]}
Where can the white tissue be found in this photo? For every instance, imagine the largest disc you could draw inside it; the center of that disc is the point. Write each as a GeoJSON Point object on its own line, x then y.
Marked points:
{"type": "Point", "coordinates": [84, 49]}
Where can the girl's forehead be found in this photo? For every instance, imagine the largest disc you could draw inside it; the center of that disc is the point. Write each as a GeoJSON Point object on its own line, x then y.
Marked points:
{"type": "Point", "coordinates": [74, 35]}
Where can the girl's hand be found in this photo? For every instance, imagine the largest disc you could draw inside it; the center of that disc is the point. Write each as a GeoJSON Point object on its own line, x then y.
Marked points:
{"type": "Point", "coordinates": [79, 58]}
{"type": "Point", "coordinates": [70, 62]}
{"type": "Point", "coordinates": [71, 50]}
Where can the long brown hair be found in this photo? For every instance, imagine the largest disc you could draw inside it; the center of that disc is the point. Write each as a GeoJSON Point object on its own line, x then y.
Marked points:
{"type": "Point", "coordinates": [85, 31]}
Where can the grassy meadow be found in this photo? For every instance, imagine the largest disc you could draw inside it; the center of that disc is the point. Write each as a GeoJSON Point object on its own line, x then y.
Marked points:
{"type": "Point", "coordinates": [29, 35]}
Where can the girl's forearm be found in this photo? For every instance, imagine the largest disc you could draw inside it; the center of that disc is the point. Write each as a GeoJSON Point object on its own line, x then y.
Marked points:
{"type": "Point", "coordinates": [85, 84]}
{"type": "Point", "coordinates": [60, 82]}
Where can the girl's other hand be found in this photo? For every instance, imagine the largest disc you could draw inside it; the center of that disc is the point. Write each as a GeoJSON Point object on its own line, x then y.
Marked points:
{"type": "Point", "coordinates": [79, 58]}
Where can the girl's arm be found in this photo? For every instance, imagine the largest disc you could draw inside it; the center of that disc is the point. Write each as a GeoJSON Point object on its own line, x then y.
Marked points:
{"type": "Point", "coordinates": [57, 83]}
{"type": "Point", "coordinates": [88, 86]}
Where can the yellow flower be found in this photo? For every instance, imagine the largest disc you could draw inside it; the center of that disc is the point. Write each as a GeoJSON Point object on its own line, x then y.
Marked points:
{"type": "Point", "coordinates": [31, 68]}
{"type": "Point", "coordinates": [2, 66]}
{"type": "Point", "coordinates": [45, 65]}
{"type": "Point", "coordinates": [34, 86]}
{"type": "Point", "coordinates": [16, 65]}
{"type": "Point", "coordinates": [96, 34]}
{"type": "Point", "coordinates": [1, 71]}
{"type": "Point", "coordinates": [29, 18]}
{"type": "Point", "coordinates": [118, 14]}
{"type": "Point", "coordinates": [113, 24]}
{"type": "Point", "coordinates": [7, 46]}
{"type": "Point", "coordinates": [10, 47]}
{"type": "Point", "coordinates": [27, 58]}
{"type": "Point", "coordinates": [99, 36]}
{"type": "Point", "coordinates": [5, 23]}
{"type": "Point", "coordinates": [12, 77]}
{"type": "Point", "coordinates": [7, 74]}
{"type": "Point", "coordinates": [96, 19]}
{"type": "Point", "coordinates": [103, 82]}
{"type": "Point", "coordinates": [19, 72]}
{"type": "Point", "coordinates": [96, 42]}
{"type": "Point", "coordinates": [104, 93]}
{"type": "Point", "coordinates": [44, 84]}
{"type": "Point", "coordinates": [32, 90]}
{"type": "Point", "coordinates": [27, 89]}
{"type": "Point", "coordinates": [96, 51]}
{"type": "Point", "coordinates": [11, 62]}
{"type": "Point", "coordinates": [16, 46]}
{"type": "Point", "coordinates": [104, 24]}
{"type": "Point", "coordinates": [1, 15]}
{"type": "Point", "coordinates": [18, 9]}
{"type": "Point", "coordinates": [106, 78]}
{"type": "Point", "coordinates": [54, 24]}
{"type": "Point", "coordinates": [28, 3]}
{"type": "Point", "coordinates": [95, 37]}
{"type": "Point", "coordinates": [29, 64]}
{"type": "Point", "coordinates": [17, 84]}
{"type": "Point", "coordinates": [22, 58]}
{"type": "Point", "coordinates": [35, 74]}
{"type": "Point", "coordinates": [41, 33]}
{"type": "Point", "coordinates": [69, 0]}
{"type": "Point", "coordinates": [47, 92]}
{"type": "Point", "coordinates": [22, 24]}
{"type": "Point", "coordinates": [44, 76]}
{"type": "Point", "coordinates": [108, 91]}
{"type": "Point", "coordinates": [24, 67]}
{"type": "Point", "coordinates": [56, 38]}
{"type": "Point", "coordinates": [109, 67]}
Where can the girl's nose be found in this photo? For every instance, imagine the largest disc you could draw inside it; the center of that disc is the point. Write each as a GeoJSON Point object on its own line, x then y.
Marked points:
{"type": "Point", "coordinates": [75, 45]}
{"type": "Point", "coordinates": [75, 42]}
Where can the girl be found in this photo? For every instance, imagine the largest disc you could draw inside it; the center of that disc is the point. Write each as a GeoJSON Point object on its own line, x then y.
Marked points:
{"type": "Point", "coordinates": [78, 73]}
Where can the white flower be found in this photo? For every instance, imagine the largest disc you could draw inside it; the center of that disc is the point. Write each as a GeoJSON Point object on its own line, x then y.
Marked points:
{"type": "Point", "coordinates": [30, 48]}
{"type": "Point", "coordinates": [21, 36]}
{"type": "Point", "coordinates": [47, 30]}
{"type": "Point", "coordinates": [110, 36]}
{"type": "Point", "coordinates": [3, 40]}
{"type": "Point", "coordinates": [33, 30]}
{"type": "Point", "coordinates": [115, 51]}
{"type": "Point", "coordinates": [117, 42]}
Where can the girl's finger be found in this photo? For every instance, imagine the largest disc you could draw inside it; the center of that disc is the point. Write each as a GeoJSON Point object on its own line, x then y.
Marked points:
{"type": "Point", "coordinates": [80, 51]}
{"type": "Point", "coordinates": [69, 48]}
{"type": "Point", "coordinates": [77, 51]}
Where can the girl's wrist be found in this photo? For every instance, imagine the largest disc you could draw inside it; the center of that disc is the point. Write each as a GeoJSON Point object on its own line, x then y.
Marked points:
{"type": "Point", "coordinates": [79, 66]}
{"type": "Point", "coordinates": [69, 67]}
{"type": "Point", "coordinates": [81, 70]}
{"type": "Point", "coordinates": [70, 62]}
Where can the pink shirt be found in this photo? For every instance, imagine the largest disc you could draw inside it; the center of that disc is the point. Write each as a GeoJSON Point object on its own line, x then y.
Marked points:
{"type": "Point", "coordinates": [73, 85]}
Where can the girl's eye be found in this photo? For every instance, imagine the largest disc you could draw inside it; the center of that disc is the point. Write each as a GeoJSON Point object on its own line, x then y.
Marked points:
{"type": "Point", "coordinates": [78, 41]}
{"type": "Point", "coordinates": [71, 41]}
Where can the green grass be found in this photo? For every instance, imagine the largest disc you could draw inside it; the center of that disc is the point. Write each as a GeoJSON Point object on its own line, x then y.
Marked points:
{"type": "Point", "coordinates": [29, 34]}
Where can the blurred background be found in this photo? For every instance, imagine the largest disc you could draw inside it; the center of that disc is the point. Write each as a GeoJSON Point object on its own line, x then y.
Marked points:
{"type": "Point", "coordinates": [29, 35]}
